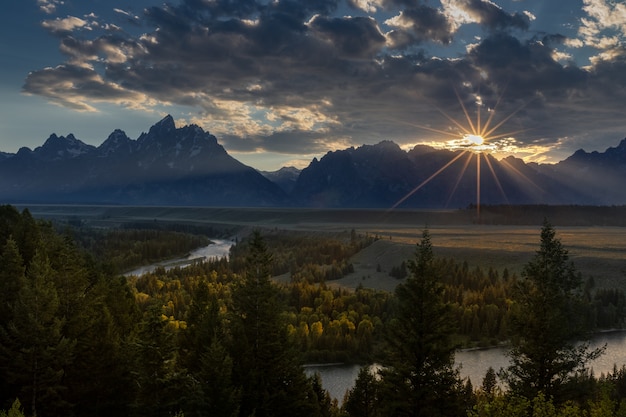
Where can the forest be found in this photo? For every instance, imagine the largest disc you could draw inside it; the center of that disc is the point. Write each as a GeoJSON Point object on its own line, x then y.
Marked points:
{"type": "Point", "coordinates": [223, 338]}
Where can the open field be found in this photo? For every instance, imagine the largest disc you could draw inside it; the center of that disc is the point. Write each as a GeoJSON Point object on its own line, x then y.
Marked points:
{"type": "Point", "coordinates": [599, 251]}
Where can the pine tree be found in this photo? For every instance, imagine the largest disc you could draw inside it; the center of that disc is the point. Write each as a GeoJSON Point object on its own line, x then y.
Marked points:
{"type": "Point", "coordinates": [548, 323]}
{"type": "Point", "coordinates": [33, 348]}
{"type": "Point", "coordinates": [267, 364]}
{"type": "Point", "coordinates": [11, 279]}
{"type": "Point", "coordinates": [418, 378]}
{"type": "Point", "coordinates": [158, 376]}
{"type": "Point", "coordinates": [363, 400]}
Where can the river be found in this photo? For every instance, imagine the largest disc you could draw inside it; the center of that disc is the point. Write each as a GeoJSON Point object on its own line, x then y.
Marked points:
{"type": "Point", "coordinates": [337, 379]}
{"type": "Point", "coordinates": [217, 249]}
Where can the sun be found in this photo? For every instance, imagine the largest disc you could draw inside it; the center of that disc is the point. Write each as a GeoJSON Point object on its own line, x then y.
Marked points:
{"type": "Point", "coordinates": [475, 137]}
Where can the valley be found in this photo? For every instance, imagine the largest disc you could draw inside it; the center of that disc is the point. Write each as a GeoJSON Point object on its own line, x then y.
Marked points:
{"type": "Point", "coordinates": [597, 250]}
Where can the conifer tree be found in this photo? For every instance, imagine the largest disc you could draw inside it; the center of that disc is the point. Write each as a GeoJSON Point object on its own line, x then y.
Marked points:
{"type": "Point", "coordinates": [33, 348]}
{"type": "Point", "coordinates": [157, 372]}
{"type": "Point", "coordinates": [418, 378]}
{"type": "Point", "coordinates": [11, 277]}
{"type": "Point", "coordinates": [363, 400]}
{"type": "Point", "coordinates": [267, 364]}
{"type": "Point", "coordinates": [548, 323]}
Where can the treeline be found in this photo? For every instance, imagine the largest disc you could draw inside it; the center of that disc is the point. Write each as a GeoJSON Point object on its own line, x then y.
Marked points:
{"type": "Point", "coordinates": [481, 305]}
{"type": "Point", "coordinates": [127, 248]}
{"type": "Point", "coordinates": [313, 257]}
{"type": "Point", "coordinates": [567, 215]}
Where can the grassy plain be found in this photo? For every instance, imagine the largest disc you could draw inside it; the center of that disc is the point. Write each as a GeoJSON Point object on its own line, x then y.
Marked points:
{"type": "Point", "coordinates": [598, 251]}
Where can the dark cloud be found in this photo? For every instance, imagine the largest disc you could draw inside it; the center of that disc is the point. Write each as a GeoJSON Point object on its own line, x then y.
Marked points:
{"type": "Point", "coordinates": [313, 78]}
{"type": "Point", "coordinates": [73, 86]}
{"type": "Point", "coordinates": [351, 36]}
{"type": "Point", "coordinates": [493, 17]}
{"type": "Point", "coordinates": [526, 68]}
{"type": "Point", "coordinates": [420, 24]}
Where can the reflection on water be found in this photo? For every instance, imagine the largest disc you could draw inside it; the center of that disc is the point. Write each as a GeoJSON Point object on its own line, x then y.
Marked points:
{"type": "Point", "coordinates": [217, 249]}
{"type": "Point", "coordinates": [338, 379]}
{"type": "Point", "coordinates": [475, 363]}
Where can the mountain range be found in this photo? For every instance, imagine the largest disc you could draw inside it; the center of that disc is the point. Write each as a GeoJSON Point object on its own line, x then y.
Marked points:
{"type": "Point", "coordinates": [187, 167]}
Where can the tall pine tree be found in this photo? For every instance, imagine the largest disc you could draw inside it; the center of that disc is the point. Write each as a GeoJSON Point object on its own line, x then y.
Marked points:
{"type": "Point", "coordinates": [32, 347]}
{"type": "Point", "coordinates": [418, 378]}
{"type": "Point", "coordinates": [267, 364]}
{"type": "Point", "coordinates": [548, 323]}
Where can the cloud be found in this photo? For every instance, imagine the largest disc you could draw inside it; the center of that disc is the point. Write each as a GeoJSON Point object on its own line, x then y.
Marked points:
{"type": "Point", "coordinates": [65, 25]}
{"type": "Point", "coordinates": [49, 6]}
{"type": "Point", "coordinates": [299, 77]}
{"type": "Point", "coordinates": [351, 36]}
{"type": "Point", "coordinates": [420, 24]}
{"type": "Point", "coordinates": [75, 87]}
{"type": "Point", "coordinates": [491, 15]}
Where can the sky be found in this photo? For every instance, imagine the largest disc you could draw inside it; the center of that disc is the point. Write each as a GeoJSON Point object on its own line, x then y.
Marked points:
{"type": "Point", "coordinates": [279, 82]}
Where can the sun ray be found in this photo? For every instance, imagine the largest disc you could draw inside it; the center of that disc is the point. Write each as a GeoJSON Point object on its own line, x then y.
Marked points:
{"type": "Point", "coordinates": [496, 179]}
{"type": "Point", "coordinates": [506, 119]}
{"type": "Point", "coordinates": [467, 116]}
{"type": "Point", "coordinates": [474, 135]}
{"type": "Point", "coordinates": [521, 175]}
{"type": "Point", "coordinates": [478, 185]}
{"type": "Point", "coordinates": [443, 132]}
{"type": "Point", "coordinates": [458, 180]}
{"type": "Point", "coordinates": [504, 135]}
{"type": "Point", "coordinates": [427, 180]}
{"type": "Point", "coordinates": [459, 125]}
{"type": "Point", "coordinates": [485, 128]}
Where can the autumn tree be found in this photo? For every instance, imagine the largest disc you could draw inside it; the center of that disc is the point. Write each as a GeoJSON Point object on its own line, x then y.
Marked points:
{"type": "Point", "coordinates": [418, 378]}
{"type": "Point", "coordinates": [548, 324]}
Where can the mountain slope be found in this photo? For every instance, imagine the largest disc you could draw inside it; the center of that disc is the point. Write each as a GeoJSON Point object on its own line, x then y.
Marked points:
{"type": "Point", "coordinates": [383, 175]}
{"type": "Point", "coordinates": [166, 166]}
{"type": "Point", "coordinates": [187, 166]}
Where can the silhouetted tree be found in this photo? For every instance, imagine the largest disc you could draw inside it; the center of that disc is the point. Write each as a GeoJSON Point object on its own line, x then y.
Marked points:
{"type": "Point", "coordinates": [548, 322]}
{"type": "Point", "coordinates": [418, 378]}
{"type": "Point", "coordinates": [267, 365]}
{"type": "Point", "coordinates": [363, 400]}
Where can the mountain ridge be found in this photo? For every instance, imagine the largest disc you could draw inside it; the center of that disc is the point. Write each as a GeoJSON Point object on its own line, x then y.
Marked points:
{"type": "Point", "coordinates": [171, 165]}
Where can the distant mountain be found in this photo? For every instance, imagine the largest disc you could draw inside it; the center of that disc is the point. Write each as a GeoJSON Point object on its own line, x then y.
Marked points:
{"type": "Point", "coordinates": [285, 177]}
{"type": "Point", "coordinates": [384, 175]}
{"type": "Point", "coordinates": [600, 175]}
{"type": "Point", "coordinates": [186, 166]}
{"type": "Point", "coordinates": [166, 166]}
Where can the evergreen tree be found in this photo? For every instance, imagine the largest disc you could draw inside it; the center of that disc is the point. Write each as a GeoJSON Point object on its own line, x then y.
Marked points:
{"type": "Point", "coordinates": [548, 323]}
{"type": "Point", "coordinates": [100, 382]}
{"type": "Point", "coordinates": [363, 400]}
{"type": "Point", "coordinates": [160, 381]}
{"type": "Point", "coordinates": [220, 397]}
{"type": "Point", "coordinates": [267, 365]}
{"type": "Point", "coordinates": [418, 378]}
{"type": "Point", "coordinates": [33, 349]}
{"type": "Point", "coordinates": [11, 279]}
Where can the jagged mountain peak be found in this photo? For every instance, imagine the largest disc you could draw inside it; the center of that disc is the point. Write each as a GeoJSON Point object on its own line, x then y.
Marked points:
{"type": "Point", "coordinates": [117, 141]}
{"type": "Point", "coordinates": [164, 126]}
{"type": "Point", "coordinates": [60, 147]}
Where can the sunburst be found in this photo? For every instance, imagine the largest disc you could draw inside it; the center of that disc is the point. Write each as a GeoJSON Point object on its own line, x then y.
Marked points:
{"type": "Point", "coordinates": [476, 137]}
